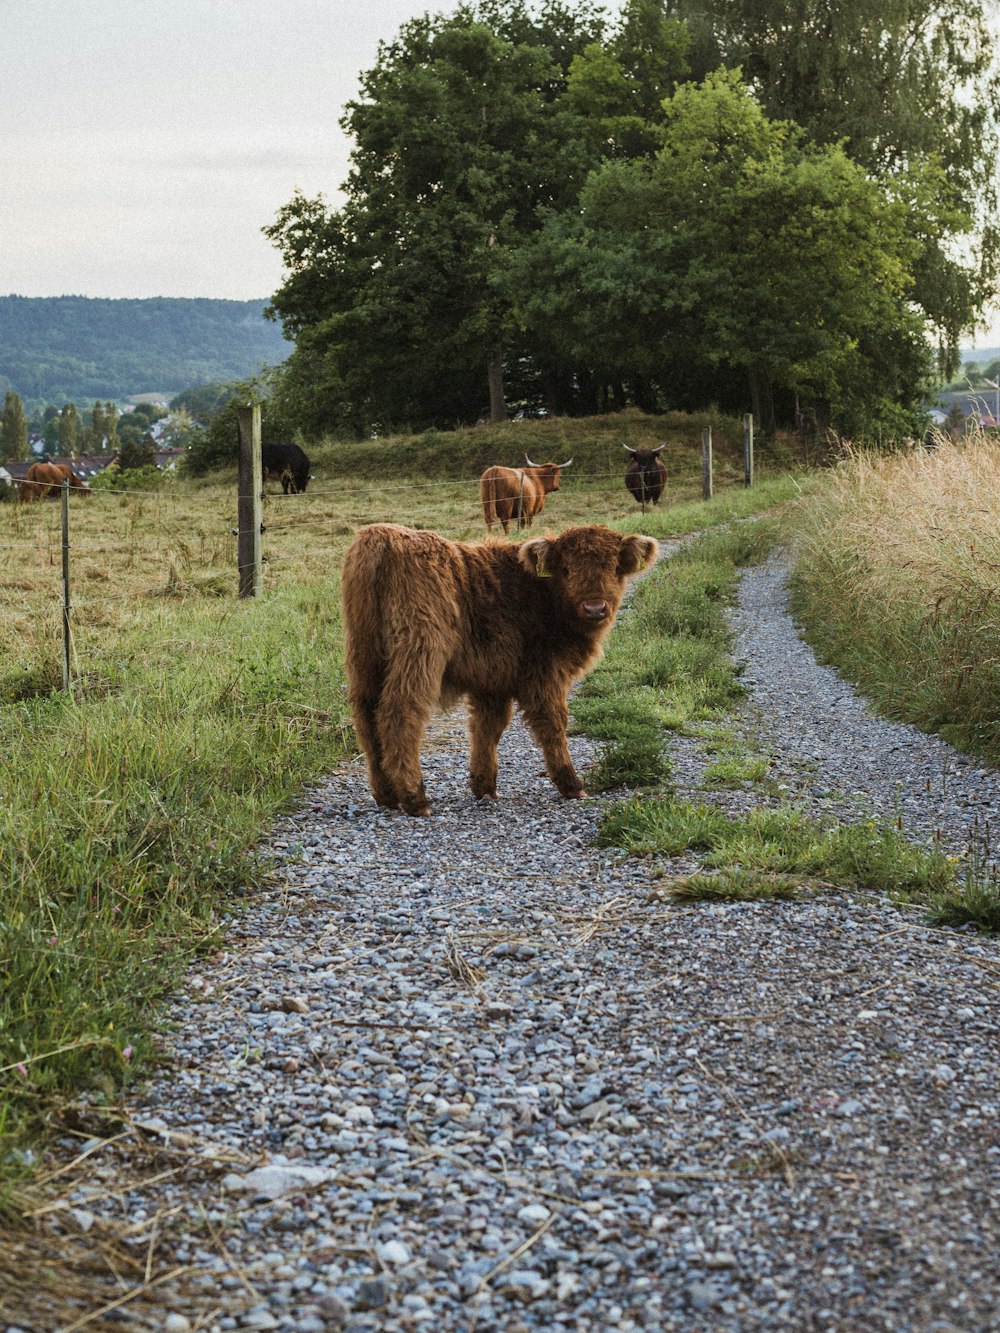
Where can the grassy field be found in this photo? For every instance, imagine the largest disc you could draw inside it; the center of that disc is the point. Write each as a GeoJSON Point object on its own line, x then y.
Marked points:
{"type": "Point", "coordinates": [133, 803]}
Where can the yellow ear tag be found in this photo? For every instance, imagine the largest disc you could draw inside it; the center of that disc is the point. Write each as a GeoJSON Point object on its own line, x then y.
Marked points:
{"type": "Point", "coordinates": [542, 573]}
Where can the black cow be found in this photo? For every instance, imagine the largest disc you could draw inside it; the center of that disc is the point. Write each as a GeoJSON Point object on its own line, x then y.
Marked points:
{"type": "Point", "coordinates": [288, 464]}
{"type": "Point", "coordinates": [645, 475]}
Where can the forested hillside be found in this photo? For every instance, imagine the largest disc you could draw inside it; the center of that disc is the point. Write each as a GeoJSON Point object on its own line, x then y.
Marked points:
{"type": "Point", "coordinates": [76, 348]}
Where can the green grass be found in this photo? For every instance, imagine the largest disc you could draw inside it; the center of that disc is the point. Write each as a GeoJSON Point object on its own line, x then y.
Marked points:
{"type": "Point", "coordinates": [735, 885]}
{"type": "Point", "coordinates": [130, 818]}
{"type": "Point", "coordinates": [668, 664]}
{"type": "Point", "coordinates": [972, 898]}
{"type": "Point", "coordinates": [780, 843]}
{"type": "Point", "coordinates": [896, 584]}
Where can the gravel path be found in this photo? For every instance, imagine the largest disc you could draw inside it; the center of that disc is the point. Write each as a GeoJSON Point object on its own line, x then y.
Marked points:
{"type": "Point", "coordinates": [471, 1073]}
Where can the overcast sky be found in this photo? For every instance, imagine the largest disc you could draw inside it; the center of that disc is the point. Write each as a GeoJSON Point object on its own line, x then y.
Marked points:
{"type": "Point", "coordinates": [143, 148]}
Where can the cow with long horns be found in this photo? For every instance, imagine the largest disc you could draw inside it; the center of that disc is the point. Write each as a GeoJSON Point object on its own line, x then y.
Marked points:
{"type": "Point", "coordinates": [517, 494]}
{"type": "Point", "coordinates": [428, 621]}
{"type": "Point", "coordinates": [645, 475]}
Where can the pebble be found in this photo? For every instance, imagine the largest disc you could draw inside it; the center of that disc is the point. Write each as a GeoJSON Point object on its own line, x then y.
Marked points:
{"type": "Point", "coordinates": [584, 1136]}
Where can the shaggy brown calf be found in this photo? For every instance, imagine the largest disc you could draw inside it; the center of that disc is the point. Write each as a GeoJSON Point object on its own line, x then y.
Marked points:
{"type": "Point", "coordinates": [428, 621]}
{"type": "Point", "coordinates": [46, 479]}
{"type": "Point", "coordinates": [517, 494]}
{"type": "Point", "coordinates": [645, 475]}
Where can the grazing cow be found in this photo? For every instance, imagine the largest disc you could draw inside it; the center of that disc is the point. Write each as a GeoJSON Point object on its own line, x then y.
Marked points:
{"type": "Point", "coordinates": [429, 621]}
{"type": "Point", "coordinates": [517, 494]}
{"type": "Point", "coordinates": [288, 464]}
{"type": "Point", "coordinates": [645, 475]}
{"type": "Point", "coordinates": [47, 478]}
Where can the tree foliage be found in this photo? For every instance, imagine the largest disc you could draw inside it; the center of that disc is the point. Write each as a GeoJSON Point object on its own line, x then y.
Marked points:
{"type": "Point", "coordinates": [767, 204]}
{"type": "Point", "coordinates": [13, 428]}
{"type": "Point", "coordinates": [905, 86]}
{"type": "Point", "coordinates": [463, 134]}
{"type": "Point", "coordinates": [742, 248]}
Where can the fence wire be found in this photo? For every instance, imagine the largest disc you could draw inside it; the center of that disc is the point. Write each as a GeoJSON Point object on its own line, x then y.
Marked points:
{"type": "Point", "coordinates": [165, 546]}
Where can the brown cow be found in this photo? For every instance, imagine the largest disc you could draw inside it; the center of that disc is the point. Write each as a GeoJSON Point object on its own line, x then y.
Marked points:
{"type": "Point", "coordinates": [645, 475]}
{"type": "Point", "coordinates": [47, 478]}
{"type": "Point", "coordinates": [517, 494]}
{"type": "Point", "coordinates": [429, 621]}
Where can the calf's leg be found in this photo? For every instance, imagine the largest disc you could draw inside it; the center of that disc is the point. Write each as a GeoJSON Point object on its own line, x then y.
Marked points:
{"type": "Point", "coordinates": [489, 717]}
{"type": "Point", "coordinates": [548, 717]}
{"type": "Point", "coordinates": [409, 693]}
{"type": "Point", "coordinates": [366, 727]}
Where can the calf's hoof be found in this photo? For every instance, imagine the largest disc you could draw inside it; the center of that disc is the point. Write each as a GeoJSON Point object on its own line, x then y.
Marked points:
{"type": "Point", "coordinates": [417, 808]}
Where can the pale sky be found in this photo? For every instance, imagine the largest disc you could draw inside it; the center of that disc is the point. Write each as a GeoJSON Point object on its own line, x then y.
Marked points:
{"type": "Point", "coordinates": [143, 148]}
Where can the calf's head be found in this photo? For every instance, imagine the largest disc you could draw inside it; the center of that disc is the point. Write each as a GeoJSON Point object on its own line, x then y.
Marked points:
{"type": "Point", "coordinates": [589, 566]}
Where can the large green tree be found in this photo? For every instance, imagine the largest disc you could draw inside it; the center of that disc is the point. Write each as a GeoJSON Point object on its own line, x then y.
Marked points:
{"type": "Point", "coordinates": [463, 135]}
{"type": "Point", "coordinates": [742, 251]}
{"type": "Point", "coordinates": [69, 428]}
{"type": "Point", "coordinates": [904, 85]}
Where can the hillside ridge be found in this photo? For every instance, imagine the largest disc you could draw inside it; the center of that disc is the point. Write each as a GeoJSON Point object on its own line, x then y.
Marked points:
{"type": "Point", "coordinates": [56, 349]}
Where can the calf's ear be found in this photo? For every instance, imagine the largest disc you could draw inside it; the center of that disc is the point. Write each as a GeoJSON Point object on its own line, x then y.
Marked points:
{"type": "Point", "coordinates": [636, 553]}
{"type": "Point", "coordinates": [533, 555]}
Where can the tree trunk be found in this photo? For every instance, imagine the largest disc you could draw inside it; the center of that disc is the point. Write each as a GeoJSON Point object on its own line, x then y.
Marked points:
{"type": "Point", "coordinates": [588, 401]}
{"type": "Point", "coordinates": [494, 370]}
{"type": "Point", "coordinates": [761, 401]}
{"type": "Point", "coordinates": [644, 394]}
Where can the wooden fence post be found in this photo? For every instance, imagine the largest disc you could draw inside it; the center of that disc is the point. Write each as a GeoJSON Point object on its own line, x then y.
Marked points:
{"type": "Point", "coordinates": [66, 647]}
{"type": "Point", "coordinates": [248, 503]}
{"type": "Point", "coordinates": [748, 450]}
{"type": "Point", "coordinates": [706, 463]}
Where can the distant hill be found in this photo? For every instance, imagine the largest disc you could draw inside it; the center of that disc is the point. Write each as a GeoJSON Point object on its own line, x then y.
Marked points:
{"type": "Point", "coordinates": [982, 356]}
{"type": "Point", "coordinates": [58, 349]}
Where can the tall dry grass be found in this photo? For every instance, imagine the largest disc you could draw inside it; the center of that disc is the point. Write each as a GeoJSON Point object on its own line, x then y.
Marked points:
{"type": "Point", "coordinates": [897, 582]}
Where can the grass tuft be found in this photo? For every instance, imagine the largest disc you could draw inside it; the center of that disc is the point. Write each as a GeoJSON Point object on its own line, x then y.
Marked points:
{"type": "Point", "coordinates": [781, 842]}
{"type": "Point", "coordinates": [735, 885]}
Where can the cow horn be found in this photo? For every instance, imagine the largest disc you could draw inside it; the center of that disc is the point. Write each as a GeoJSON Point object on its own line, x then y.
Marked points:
{"type": "Point", "coordinates": [659, 447]}
{"type": "Point", "coordinates": [625, 446]}
{"type": "Point", "coordinates": [558, 465]}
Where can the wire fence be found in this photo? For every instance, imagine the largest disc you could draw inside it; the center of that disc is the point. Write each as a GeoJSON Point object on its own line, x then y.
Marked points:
{"type": "Point", "coordinates": [92, 565]}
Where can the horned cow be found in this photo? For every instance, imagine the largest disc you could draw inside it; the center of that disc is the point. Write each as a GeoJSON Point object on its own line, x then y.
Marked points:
{"type": "Point", "coordinates": [429, 621]}
{"type": "Point", "coordinates": [517, 494]}
{"type": "Point", "coordinates": [645, 475]}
